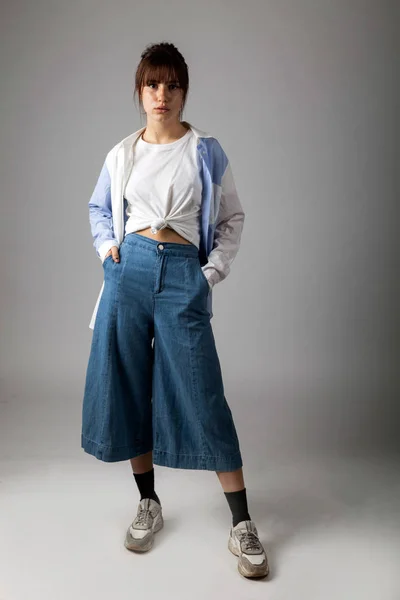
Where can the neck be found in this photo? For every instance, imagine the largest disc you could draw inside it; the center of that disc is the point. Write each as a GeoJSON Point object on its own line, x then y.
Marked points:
{"type": "Point", "coordinates": [163, 133]}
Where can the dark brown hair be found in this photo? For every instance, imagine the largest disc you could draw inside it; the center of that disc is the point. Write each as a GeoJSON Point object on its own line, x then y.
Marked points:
{"type": "Point", "coordinates": [162, 62]}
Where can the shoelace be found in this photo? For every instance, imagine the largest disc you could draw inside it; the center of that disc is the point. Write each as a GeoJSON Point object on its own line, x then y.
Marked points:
{"type": "Point", "coordinates": [143, 517]}
{"type": "Point", "coordinates": [250, 540]}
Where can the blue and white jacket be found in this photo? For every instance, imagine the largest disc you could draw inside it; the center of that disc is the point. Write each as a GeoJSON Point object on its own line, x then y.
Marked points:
{"type": "Point", "coordinates": [222, 215]}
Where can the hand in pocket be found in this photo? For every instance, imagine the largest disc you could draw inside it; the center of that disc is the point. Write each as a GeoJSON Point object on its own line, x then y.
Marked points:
{"type": "Point", "coordinates": [113, 251]}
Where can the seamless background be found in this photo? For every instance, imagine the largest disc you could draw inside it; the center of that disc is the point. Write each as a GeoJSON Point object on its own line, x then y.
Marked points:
{"type": "Point", "coordinates": [303, 95]}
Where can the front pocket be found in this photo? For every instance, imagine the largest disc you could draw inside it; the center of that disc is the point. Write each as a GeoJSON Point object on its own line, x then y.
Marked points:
{"type": "Point", "coordinates": [203, 276]}
{"type": "Point", "coordinates": [106, 259]}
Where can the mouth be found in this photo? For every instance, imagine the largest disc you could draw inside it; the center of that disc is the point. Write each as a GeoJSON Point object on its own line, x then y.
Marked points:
{"type": "Point", "coordinates": [162, 109]}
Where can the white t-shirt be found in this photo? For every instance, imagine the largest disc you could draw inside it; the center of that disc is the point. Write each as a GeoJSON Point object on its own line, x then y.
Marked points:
{"type": "Point", "coordinates": [164, 188]}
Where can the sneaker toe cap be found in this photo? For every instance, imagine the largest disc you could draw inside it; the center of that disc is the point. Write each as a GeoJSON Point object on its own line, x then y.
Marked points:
{"type": "Point", "coordinates": [254, 559]}
{"type": "Point", "coordinates": [249, 568]}
{"type": "Point", "coordinates": [138, 534]}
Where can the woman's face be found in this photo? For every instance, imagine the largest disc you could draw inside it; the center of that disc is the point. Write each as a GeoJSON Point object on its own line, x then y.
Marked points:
{"type": "Point", "coordinates": [156, 94]}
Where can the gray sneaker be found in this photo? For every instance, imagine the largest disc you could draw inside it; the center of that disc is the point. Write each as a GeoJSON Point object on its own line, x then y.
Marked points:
{"type": "Point", "coordinates": [149, 520]}
{"type": "Point", "coordinates": [245, 543]}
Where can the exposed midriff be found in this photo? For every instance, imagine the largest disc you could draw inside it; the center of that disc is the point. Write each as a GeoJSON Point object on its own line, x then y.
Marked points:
{"type": "Point", "coordinates": [164, 235]}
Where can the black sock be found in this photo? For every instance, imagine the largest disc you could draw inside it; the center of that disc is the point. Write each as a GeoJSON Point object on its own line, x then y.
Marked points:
{"type": "Point", "coordinates": [145, 483]}
{"type": "Point", "coordinates": [238, 504]}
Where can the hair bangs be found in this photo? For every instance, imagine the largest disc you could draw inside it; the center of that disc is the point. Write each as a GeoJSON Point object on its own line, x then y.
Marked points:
{"type": "Point", "coordinates": [165, 73]}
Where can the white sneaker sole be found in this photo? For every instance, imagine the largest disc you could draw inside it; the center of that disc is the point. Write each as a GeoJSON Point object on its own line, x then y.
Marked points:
{"type": "Point", "coordinates": [146, 543]}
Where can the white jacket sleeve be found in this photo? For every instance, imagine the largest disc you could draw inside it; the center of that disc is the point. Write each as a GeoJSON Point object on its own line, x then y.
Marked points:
{"type": "Point", "coordinates": [228, 231]}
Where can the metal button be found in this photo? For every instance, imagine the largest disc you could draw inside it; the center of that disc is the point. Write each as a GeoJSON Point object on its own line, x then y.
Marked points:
{"type": "Point", "coordinates": [161, 247]}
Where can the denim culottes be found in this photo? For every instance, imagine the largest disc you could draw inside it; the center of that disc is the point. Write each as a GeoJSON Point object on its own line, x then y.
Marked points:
{"type": "Point", "coordinates": [153, 380]}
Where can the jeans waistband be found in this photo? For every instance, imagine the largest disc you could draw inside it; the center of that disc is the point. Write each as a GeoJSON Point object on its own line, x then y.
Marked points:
{"type": "Point", "coordinates": [135, 239]}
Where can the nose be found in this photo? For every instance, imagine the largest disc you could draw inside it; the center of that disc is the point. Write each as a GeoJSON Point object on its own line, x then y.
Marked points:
{"type": "Point", "coordinates": [162, 91]}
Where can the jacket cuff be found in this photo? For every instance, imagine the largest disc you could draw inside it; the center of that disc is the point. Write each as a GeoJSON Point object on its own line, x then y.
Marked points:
{"type": "Point", "coordinates": [104, 248]}
{"type": "Point", "coordinates": [208, 273]}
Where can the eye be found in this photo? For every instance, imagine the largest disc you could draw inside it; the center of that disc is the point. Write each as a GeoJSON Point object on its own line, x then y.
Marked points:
{"type": "Point", "coordinates": [171, 85]}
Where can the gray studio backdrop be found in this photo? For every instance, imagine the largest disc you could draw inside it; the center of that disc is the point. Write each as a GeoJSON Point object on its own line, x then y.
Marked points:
{"type": "Point", "coordinates": [302, 96]}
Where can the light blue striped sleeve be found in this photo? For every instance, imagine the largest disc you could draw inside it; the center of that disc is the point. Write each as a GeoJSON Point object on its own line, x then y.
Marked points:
{"type": "Point", "coordinates": [100, 214]}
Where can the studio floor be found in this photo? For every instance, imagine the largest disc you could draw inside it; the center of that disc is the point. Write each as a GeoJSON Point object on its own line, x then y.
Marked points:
{"type": "Point", "coordinates": [331, 529]}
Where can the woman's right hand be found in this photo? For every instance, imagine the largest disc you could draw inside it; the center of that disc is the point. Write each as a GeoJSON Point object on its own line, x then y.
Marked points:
{"type": "Point", "coordinates": [115, 254]}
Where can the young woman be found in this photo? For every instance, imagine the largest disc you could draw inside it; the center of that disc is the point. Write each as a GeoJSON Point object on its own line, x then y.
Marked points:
{"type": "Point", "coordinates": [166, 221]}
